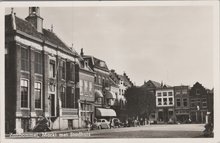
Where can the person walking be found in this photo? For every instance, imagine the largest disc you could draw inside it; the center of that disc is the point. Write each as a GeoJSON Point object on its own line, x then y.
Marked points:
{"type": "Point", "coordinates": [88, 124]}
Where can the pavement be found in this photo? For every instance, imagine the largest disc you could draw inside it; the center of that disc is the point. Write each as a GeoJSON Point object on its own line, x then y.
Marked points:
{"type": "Point", "coordinates": [147, 131]}
{"type": "Point", "coordinates": [153, 131]}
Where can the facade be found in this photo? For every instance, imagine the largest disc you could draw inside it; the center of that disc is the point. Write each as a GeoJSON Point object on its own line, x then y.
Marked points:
{"type": "Point", "coordinates": [199, 98]}
{"type": "Point", "coordinates": [182, 103]}
{"type": "Point", "coordinates": [86, 93]}
{"type": "Point", "coordinates": [104, 97]}
{"type": "Point", "coordinates": [123, 82]}
{"type": "Point", "coordinates": [40, 75]}
{"type": "Point", "coordinates": [150, 89]}
{"type": "Point", "coordinates": [165, 104]}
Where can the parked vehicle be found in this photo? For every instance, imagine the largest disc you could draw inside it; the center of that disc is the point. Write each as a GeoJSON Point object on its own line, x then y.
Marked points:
{"type": "Point", "coordinates": [116, 123]}
{"type": "Point", "coordinates": [101, 124]}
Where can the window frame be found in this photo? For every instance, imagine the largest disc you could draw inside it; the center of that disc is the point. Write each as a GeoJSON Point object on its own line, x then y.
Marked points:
{"type": "Point", "coordinates": [40, 95]}
{"type": "Point", "coordinates": [165, 101]}
{"type": "Point", "coordinates": [63, 96]}
{"type": "Point", "coordinates": [171, 101]}
{"type": "Point", "coordinates": [165, 94]}
{"type": "Point", "coordinates": [178, 100]}
{"type": "Point", "coordinates": [159, 94]}
{"type": "Point", "coordinates": [28, 98]}
{"type": "Point", "coordinates": [81, 87]}
{"type": "Point", "coordinates": [38, 62]}
{"type": "Point", "coordinates": [52, 62]}
{"type": "Point", "coordinates": [159, 102]}
{"type": "Point", "coordinates": [63, 69]}
{"type": "Point", "coordinates": [24, 60]}
{"type": "Point", "coordinates": [185, 102]}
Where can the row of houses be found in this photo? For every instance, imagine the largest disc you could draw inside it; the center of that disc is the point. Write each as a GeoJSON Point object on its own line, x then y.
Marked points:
{"type": "Point", "coordinates": [46, 78]}
{"type": "Point", "coordinates": [180, 103]}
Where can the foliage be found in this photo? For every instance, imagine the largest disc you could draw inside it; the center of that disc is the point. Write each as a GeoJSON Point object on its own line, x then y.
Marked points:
{"type": "Point", "coordinates": [140, 101]}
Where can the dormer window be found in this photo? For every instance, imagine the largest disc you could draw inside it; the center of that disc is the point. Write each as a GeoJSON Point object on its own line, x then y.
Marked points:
{"type": "Point", "coordinates": [86, 63]}
{"type": "Point", "coordinates": [102, 64]}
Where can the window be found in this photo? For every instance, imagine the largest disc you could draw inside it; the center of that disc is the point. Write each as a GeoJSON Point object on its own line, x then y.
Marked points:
{"type": "Point", "coordinates": [170, 101]}
{"type": "Point", "coordinates": [81, 86]}
{"type": "Point", "coordinates": [184, 91]}
{"type": "Point", "coordinates": [38, 66]}
{"type": "Point", "coordinates": [159, 101]}
{"type": "Point", "coordinates": [37, 93]}
{"type": "Point", "coordinates": [185, 104]}
{"type": "Point", "coordinates": [197, 92]}
{"type": "Point", "coordinates": [90, 86]}
{"type": "Point", "coordinates": [24, 59]}
{"type": "Point", "coordinates": [63, 69]}
{"type": "Point", "coordinates": [164, 101]}
{"type": "Point", "coordinates": [192, 104]}
{"type": "Point", "coordinates": [164, 93]}
{"type": "Point", "coordinates": [85, 86]}
{"type": "Point", "coordinates": [178, 102]}
{"type": "Point", "coordinates": [52, 69]}
{"type": "Point", "coordinates": [95, 79]}
{"type": "Point", "coordinates": [52, 87]}
{"type": "Point", "coordinates": [204, 103]}
{"type": "Point", "coordinates": [178, 92]}
{"type": "Point", "coordinates": [72, 72]}
{"type": "Point", "coordinates": [63, 96]}
{"type": "Point", "coordinates": [99, 80]}
{"type": "Point", "coordinates": [73, 97]}
{"type": "Point", "coordinates": [24, 93]}
{"type": "Point", "coordinates": [159, 94]}
{"type": "Point", "coordinates": [170, 93]}
{"type": "Point", "coordinates": [103, 81]}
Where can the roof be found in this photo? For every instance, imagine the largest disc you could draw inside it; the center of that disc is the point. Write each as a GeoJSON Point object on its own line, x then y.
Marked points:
{"type": "Point", "coordinates": [26, 27]}
{"type": "Point", "coordinates": [116, 78]}
{"type": "Point", "coordinates": [156, 84]}
{"type": "Point", "coordinates": [97, 63]}
{"type": "Point", "coordinates": [112, 83]}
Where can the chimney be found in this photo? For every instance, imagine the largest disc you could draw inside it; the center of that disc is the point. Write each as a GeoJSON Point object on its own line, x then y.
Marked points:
{"type": "Point", "coordinates": [51, 28]}
{"type": "Point", "coordinates": [35, 19]}
{"type": "Point", "coordinates": [81, 53]}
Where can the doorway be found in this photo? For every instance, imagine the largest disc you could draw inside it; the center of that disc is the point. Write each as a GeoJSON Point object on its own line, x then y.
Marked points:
{"type": "Point", "coordinates": [52, 105]}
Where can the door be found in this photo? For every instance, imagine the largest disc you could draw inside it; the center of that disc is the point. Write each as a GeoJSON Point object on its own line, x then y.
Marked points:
{"type": "Point", "coordinates": [25, 124]}
{"type": "Point", "coordinates": [52, 105]}
{"type": "Point", "coordinates": [166, 115]}
{"type": "Point", "coordinates": [70, 124]}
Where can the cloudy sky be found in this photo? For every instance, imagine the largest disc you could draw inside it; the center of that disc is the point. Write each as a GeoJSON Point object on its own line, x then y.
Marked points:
{"type": "Point", "coordinates": [172, 44]}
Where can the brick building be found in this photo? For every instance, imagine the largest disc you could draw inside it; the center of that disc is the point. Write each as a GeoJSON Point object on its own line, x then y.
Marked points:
{"type": "Point", "coordinates": [182, 103]}
{"type": "Point", "coordinates": [201, 102]}
{"type": "Point", "coordinates": [150, 89]}
{"type": "Point", "coordinates": [102, 90]}
{"type": "Point", "coordinates": [86, 92]}
{"type": "Point", "coordinates": [123, 82]}
{"type": "Point", "coordinates": [40, 75]}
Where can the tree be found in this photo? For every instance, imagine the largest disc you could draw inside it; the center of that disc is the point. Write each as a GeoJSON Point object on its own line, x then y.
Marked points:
{"type": "Point", "coordinates": [140, 102]}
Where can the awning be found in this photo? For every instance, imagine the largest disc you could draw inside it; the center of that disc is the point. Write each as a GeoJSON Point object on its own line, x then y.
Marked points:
{"type": "Point", "coordinates": [102, 112]}
{"type": "Point", "coordinates": [110, 94]}
{"type": "Point", "coordinates": [98, 94]}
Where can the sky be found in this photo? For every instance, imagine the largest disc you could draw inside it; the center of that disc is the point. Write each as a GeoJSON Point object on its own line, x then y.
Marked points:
{"type": "Point", "coordinates": [173, 44]}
